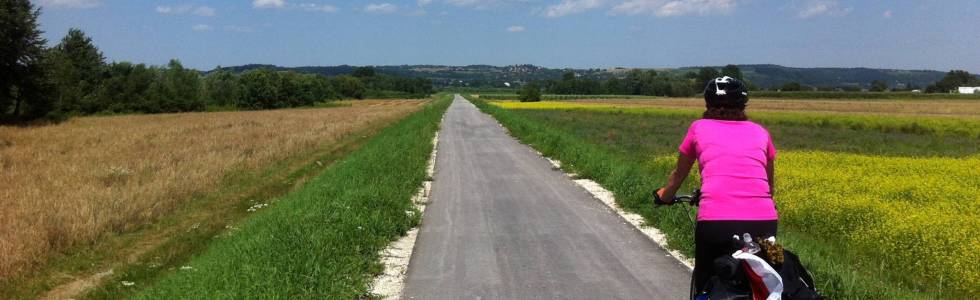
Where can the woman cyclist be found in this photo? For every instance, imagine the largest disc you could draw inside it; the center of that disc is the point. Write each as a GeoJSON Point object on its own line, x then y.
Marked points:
{"type": "Point", "coordinates": [735, 157]}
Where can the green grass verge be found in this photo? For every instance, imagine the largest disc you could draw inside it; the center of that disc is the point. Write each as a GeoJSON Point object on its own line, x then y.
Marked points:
{"type": "Point", "coordinates": [321, 241]}
{"type": "Point", "coordinates": [598, 151]}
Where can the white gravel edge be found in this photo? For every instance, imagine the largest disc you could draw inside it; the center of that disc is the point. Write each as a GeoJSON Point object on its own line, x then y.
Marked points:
{"type": "Point", "coordinates": [391, 283]}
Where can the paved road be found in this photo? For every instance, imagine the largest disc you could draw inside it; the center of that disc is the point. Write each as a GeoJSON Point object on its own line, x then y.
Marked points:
{"type": "Point", "coordinates": [502, 224]}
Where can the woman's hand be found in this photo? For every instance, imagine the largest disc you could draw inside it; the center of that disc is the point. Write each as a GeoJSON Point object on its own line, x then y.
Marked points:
{"type": "Point", "coordinates": [676, 178]}
{"type": "Point", "coordinates": [667, 199]}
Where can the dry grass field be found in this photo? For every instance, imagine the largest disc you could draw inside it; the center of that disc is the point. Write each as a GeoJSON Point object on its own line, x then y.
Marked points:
{"type": "Point", "coordinates": [75, 182]}
{"type": "Point", "coordinates": [964, 108]}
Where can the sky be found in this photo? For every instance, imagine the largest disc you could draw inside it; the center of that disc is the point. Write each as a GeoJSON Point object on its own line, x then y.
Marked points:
{"type": "Point", "coordinates": [903, 34]}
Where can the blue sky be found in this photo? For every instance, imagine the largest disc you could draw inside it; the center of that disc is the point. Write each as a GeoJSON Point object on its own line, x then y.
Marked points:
{"type": "Point", "coordinates": [910, 34]}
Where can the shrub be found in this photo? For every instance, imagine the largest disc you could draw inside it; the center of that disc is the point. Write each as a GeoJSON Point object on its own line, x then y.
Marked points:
{"type": "Point", "coordinates": [530, 93]}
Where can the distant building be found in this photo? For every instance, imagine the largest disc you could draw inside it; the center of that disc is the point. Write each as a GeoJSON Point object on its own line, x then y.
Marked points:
{"type": "Point", "coordinates": [970, 90]}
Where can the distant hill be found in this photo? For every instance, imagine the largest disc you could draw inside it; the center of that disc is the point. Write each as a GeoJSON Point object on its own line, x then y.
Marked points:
{"type": "Point", "coordinates": [765, 76]}
{"type": "Point", "coordinates": [776, 75]}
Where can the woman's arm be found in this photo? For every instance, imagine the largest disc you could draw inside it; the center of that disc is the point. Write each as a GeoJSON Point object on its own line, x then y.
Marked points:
{"type": "Point", "coordinates": [771, 173]}
{"type": "Point", "coordinates": [676, 178]}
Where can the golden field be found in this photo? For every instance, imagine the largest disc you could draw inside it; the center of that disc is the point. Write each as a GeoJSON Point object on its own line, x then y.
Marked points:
{"type": "Point", "coordinates": [77, 181]}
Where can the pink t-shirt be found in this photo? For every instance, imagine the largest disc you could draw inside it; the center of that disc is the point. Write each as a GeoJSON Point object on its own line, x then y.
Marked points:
{"type": "Point", "coordinates": [732, 156]}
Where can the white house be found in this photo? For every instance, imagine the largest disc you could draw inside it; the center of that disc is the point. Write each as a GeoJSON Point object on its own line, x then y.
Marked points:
{"type": "Point", "coordinates": [970, 90]}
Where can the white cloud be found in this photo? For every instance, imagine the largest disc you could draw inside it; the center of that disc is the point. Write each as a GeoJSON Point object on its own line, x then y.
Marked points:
{"type": "Point", "coordinates": [268, 3]}
{"type": "Point", "coordinates": [69, 3]}
{"type": "Point", "coordinates": [167, 9]}
{"type": "Point", "coordinates": [465, 2]}
{"type": "Point", "coordinates": [665, 8]}
{"type": "Point", "coordinates": [475, 4]}
{"type": "Point", "coordinates": [204, 11]}
{"type": "Point", "coordinates": [823, 7]}
{"type": "Point", "coordinates": [201, 27]}
{"type": "Point", "coordinates": [236, 28]}
{"type": "Point", "coordinates": [282, 4]}
{"type": "Point", "coordinates": [383, 8]}
{"type": "Point", "coordinates": [887, 14]}
{"type": "Point", "coordinates": [318, 7]}
{"type": "Point", "coordinates": [568, 7]}
{"type": "Point", "coordinates": [515, 28]}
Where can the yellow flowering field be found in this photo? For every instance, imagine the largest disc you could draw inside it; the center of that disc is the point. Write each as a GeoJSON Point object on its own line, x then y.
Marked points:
{"type": "Point", "coordinates": [920, 214]}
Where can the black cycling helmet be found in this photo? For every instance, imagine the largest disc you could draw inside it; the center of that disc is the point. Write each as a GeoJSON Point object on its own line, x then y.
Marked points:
{"type": "Point", "coordinates": [725, 92]}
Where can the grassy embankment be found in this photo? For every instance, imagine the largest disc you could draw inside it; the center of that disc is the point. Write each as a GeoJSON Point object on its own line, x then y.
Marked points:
{"type": "Point", "coordinates": [878, 207]}
{"type": "Point", "coordinates": [321, 241]}
{"type": "Point", "coordinates": [139, 194]}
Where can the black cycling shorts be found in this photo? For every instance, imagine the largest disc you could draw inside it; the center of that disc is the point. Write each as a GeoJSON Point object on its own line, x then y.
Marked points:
{"type": "Point", "coordinates": [713, 239]}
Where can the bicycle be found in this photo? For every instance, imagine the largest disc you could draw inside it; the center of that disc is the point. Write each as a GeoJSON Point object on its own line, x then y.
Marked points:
{"type": "Point", "coordinates": [803, 280]}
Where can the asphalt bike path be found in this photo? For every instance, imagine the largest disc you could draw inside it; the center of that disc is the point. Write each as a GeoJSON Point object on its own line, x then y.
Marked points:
{"type": "Point", "coordinates": [503, 224]}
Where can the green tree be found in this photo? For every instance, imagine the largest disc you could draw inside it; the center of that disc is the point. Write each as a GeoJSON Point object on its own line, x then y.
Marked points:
{"type": "Point", "coordinates": [259, 89]}
{"type": "Point", "coordinates": [363, 72]}
{"type": "Point", "coordinates": [732, 71]}
{"type": "Point", "coordinates": [878, 86]}
{"type": "Point", "coordinates": [222, 88]}
{"type": "Point", "coordinates": [186, 84]}
{"type": "Point", "coordinates": [614, 86]}
{"type": "Point", "coordinates": [530, 92]}
{"type": "Point", "coordinates": [351, 87]}
{"type": "Point", "coordinates": [791, 87]}
{"type": "Point", "coordinates": [124, 89]}
{"type": "Point", "coordinates": [704, 75]}
{"type": "Point", "coordinates": [568, 76]}
{"type": "Point", "coordinates": [21, 71]}
{"type": "Point", "coordinates": [75, 69]}
{"type": "Point", "coordinates": [952, 80]}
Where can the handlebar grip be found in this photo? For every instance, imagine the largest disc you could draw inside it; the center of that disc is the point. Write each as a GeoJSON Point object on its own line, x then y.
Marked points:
{"type": "Point", "coordinates": [657, 200]}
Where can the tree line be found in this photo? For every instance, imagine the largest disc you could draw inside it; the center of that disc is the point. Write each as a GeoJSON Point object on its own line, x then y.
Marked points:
{"type": "Point", "coordinates": [73, 78]}
{"type": "Point", "coordinates": [652, 83]}
{"type": "Point", "coordinates": [949, 83]}
{"type": "Point", "coordinates": [635, 82]}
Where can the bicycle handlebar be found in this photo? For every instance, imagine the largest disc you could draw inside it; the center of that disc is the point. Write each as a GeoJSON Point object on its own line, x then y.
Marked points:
{"type": "Point", "coordinates": [693, 199]}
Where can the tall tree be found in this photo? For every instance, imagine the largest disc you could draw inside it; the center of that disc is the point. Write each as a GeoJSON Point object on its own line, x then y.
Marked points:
{"type": "Point", "coordinates": [878, 86]}
{"type": "Point", "coordinates": [351, 87]}
{"type": "Point", "coordinates": [791, 87]}
{"type": "Point", "coordinates": [75, 69]}
{"type": "Point", "coordinates": [530, 92]}
{"type": "Point", "coordinates": [732, 71]}
{"type": "Point", "coordinates": [952, 80]}
{"type": "Point", "coordinates": [705, 74]}
{"type": "Point", "coordinates": [363, 72]}
{"type": "Point", "coordinates": [221, 87]}
{"type": "Point", "coordinates": [260, 89]}
{"type": "Point", "coordinates": [568, 76]}
{"type": "Point", "coordinates": [21, 71]}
